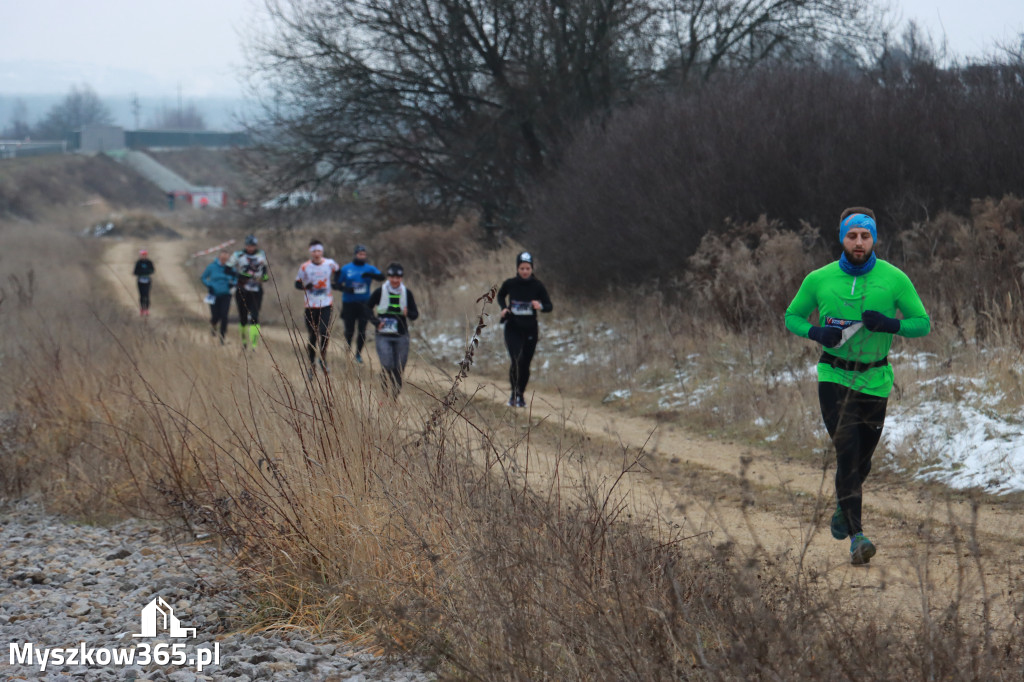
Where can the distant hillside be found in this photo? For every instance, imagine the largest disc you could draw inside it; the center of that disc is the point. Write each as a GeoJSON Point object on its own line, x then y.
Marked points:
{"type": "Point", "coordinates": [220, 113]}
{"type": "Point", "coordinates": [227, 168]}
{"type": "Point", "coordinates": [30, 186]}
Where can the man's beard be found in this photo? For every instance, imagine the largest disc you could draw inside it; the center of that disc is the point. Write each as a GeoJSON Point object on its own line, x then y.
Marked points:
{"type": "Point", "coordinates": [858, 260]}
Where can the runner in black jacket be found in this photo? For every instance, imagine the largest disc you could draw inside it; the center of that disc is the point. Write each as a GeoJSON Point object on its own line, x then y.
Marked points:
{"type": "Point", "coordinates": [526, 295]}
{"type": "Point", "coordinates": [144, 277]}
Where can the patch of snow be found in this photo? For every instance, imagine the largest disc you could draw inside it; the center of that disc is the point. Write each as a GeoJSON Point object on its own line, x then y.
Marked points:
{"type": "Point", "coordinates": [966, 447]}
{"type": "Point", "coordinates": [617, 394]}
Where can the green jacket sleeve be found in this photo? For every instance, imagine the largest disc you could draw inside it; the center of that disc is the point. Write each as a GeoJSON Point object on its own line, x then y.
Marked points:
{"type": "Point", "coordinates": [800, 308]}
{"type": "Point", "coordinates": [915, 321]}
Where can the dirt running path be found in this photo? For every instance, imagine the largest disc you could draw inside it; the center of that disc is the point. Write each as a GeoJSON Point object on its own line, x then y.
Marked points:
{"type": "Point", "coordinates": [777, 511]}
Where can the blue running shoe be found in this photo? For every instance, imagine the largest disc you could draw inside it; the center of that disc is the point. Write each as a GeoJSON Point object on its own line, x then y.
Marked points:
{"type": "Point", "coordinates": [840, 529]}
{"type": "Point", "coordinates": [861, 550]}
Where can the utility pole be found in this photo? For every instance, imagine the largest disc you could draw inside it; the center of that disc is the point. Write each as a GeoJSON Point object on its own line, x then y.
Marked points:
{"type": "Point", "coordinates": [136, 108]}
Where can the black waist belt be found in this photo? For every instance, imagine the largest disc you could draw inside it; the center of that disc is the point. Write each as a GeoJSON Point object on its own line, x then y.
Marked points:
{"type": "Point", "coordinates": [850, 366]}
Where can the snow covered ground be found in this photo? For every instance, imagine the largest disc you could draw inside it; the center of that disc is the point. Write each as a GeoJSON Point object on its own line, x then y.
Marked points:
{"type": "Point", "coordinates": [957, 430]}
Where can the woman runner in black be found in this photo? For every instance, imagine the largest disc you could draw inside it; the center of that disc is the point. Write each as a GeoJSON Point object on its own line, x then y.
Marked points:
{"type": "Point", "coordinates": [144, 277]}
{"type": "Point", "coordinates": [526, 295]}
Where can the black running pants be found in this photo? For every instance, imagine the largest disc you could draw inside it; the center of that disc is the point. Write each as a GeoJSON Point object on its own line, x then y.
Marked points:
{"type": "Point", "coordinates": [144, 294]}
{"type": "Point", "coordinates": [854, 421]}
{"type": "Point", "coordinates": [219, 310]}
{"type": "Point", "coordinates": [318, 324]}
{"type": "Point", "coordinates": [355, 314]}
{"type": "Point", "coordinates": [248, 303]}
{"type": "Point", "coordinates": [521, 343]}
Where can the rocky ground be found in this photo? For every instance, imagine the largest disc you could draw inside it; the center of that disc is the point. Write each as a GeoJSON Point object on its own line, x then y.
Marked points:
{"type": "Point", "coordinates": [75, 588]}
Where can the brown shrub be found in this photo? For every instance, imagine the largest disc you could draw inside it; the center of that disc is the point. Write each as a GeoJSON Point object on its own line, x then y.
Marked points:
{"type": "Point", "coordinates": [428, 251]}
{"type": "Point", "coordinates": [748, 275]}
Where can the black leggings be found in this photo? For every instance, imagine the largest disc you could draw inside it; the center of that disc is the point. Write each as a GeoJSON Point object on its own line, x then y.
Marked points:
{"type": "Point", "coordinates": [144, 294]}
{"type": "Point", "coordinates": [219, 310]}
{"type": "Point", "coordinates": [521, 344]}
{"type": "Point", "coordinates": [355, 314]}
{"type": "Point", "coordinates": [248, 303]}
{"type": "Point", "coordinates": [318, 324]}
{"type": "Point", "coordinates": [854, 421]}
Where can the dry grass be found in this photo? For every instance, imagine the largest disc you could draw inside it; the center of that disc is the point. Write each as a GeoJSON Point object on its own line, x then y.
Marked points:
{"type": "Point", "coordinates": [418, 526]}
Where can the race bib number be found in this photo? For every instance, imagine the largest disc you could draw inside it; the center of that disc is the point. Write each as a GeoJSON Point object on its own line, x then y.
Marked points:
{"type": "Point", "coordinates": [360, 288]}
{"type": "Point", "coordinates": [143, 280]}
{"type": "Point", "coordinates": [251, 286]}
{"type": "Point", "coordinates": [389, 325]}
{"type": "Point", "coordinates": [209, 299]}
{"type": "Point", "coordinates": [521, 308]}
{"type": "Point", "coordinates": [319, 293]}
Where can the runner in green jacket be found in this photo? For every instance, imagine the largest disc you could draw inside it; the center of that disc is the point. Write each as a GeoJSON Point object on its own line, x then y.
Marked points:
{"type": "Point", "coordinates": [857, 298]}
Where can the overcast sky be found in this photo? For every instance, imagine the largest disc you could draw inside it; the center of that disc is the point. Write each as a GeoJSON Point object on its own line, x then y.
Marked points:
{"type": "Point", "coordinates": [151, 46]}
{"type": "Point", "coordinates": [120, 46]}
{"type": "Point", "coordinates": [971, 26]}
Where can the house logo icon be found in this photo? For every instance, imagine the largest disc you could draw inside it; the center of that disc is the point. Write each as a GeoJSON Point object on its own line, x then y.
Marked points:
{"type": "Point", "coordinates": [158, 615]}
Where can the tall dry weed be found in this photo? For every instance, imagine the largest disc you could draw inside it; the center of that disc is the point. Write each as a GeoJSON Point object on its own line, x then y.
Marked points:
{"type": "Point", "coordinates": [419, 525]}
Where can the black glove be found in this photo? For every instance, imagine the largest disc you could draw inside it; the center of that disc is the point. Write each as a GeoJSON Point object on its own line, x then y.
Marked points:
{"type": "Point", "coordinates": [826, 336]}
{"type": "Point", "coordinates": [298, 285]}
{"type": "Point", "coordinates": [367, 275]}
{"type": "Point", "coordinates": [309, 286]}
{"type": "Point", "coordinates": [875, 321]}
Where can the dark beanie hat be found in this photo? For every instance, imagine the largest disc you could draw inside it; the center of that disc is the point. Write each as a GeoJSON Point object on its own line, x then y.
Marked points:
{"type": "Point", "coordinates": [524, 257]}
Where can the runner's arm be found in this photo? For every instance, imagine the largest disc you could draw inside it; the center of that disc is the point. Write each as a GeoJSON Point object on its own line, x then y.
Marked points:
{"type": "Point", "coordinates": [205, 278]}
{"type": "Point", "coordinates": [916, 322]}
{"type": "Point", "coordinates": [411, 311]}
{"type": "Point", "coordinates": [502, 293]}
{"type": "Point", "coordinates": [545, 301]}
{"type": "Point", "coordinates": [373, 303]}
{"type": "Point", "coordinates": [800, 309]}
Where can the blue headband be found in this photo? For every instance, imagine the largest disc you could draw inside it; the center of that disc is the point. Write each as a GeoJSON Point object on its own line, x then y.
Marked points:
{"type": "Point", "coordinates": [857, 220]}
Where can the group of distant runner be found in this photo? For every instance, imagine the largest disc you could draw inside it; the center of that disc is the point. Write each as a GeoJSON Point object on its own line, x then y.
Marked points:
{"type": "Point", "coordinates": [389, 308]}
{"type": "Point", "coordinates": [856, 299]}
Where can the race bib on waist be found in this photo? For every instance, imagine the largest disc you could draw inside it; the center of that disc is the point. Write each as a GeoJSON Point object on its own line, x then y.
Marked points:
{"type": "Point", "coordinates": [389, 326]}
{"type": "Point", "coordinates": [251, 286]}
{"type": "Point", "coordinates": [143, 280]}
{"type": "Point", "coordinates": [360, 288]}
{"type": "Point", "coordinates": [520, 307]}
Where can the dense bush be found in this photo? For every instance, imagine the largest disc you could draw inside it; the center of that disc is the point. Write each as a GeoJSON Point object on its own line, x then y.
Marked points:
{"type": "Point", "coordinates": [968, 271]}
{"type": "Point", "coordinates": [637, 193]}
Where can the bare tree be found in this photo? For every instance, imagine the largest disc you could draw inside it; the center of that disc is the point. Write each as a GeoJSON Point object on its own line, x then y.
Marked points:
{"type": "Point", "coordinates": [459, 99]}
{"type": "Point", "coordinates": [705, 36]}
{"type": "Point", "coordinates": [81, 107]}
{"type": "Point", "coordinates": [18, 128]}
{"type": "Point", "coordinates": [464, 101]}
